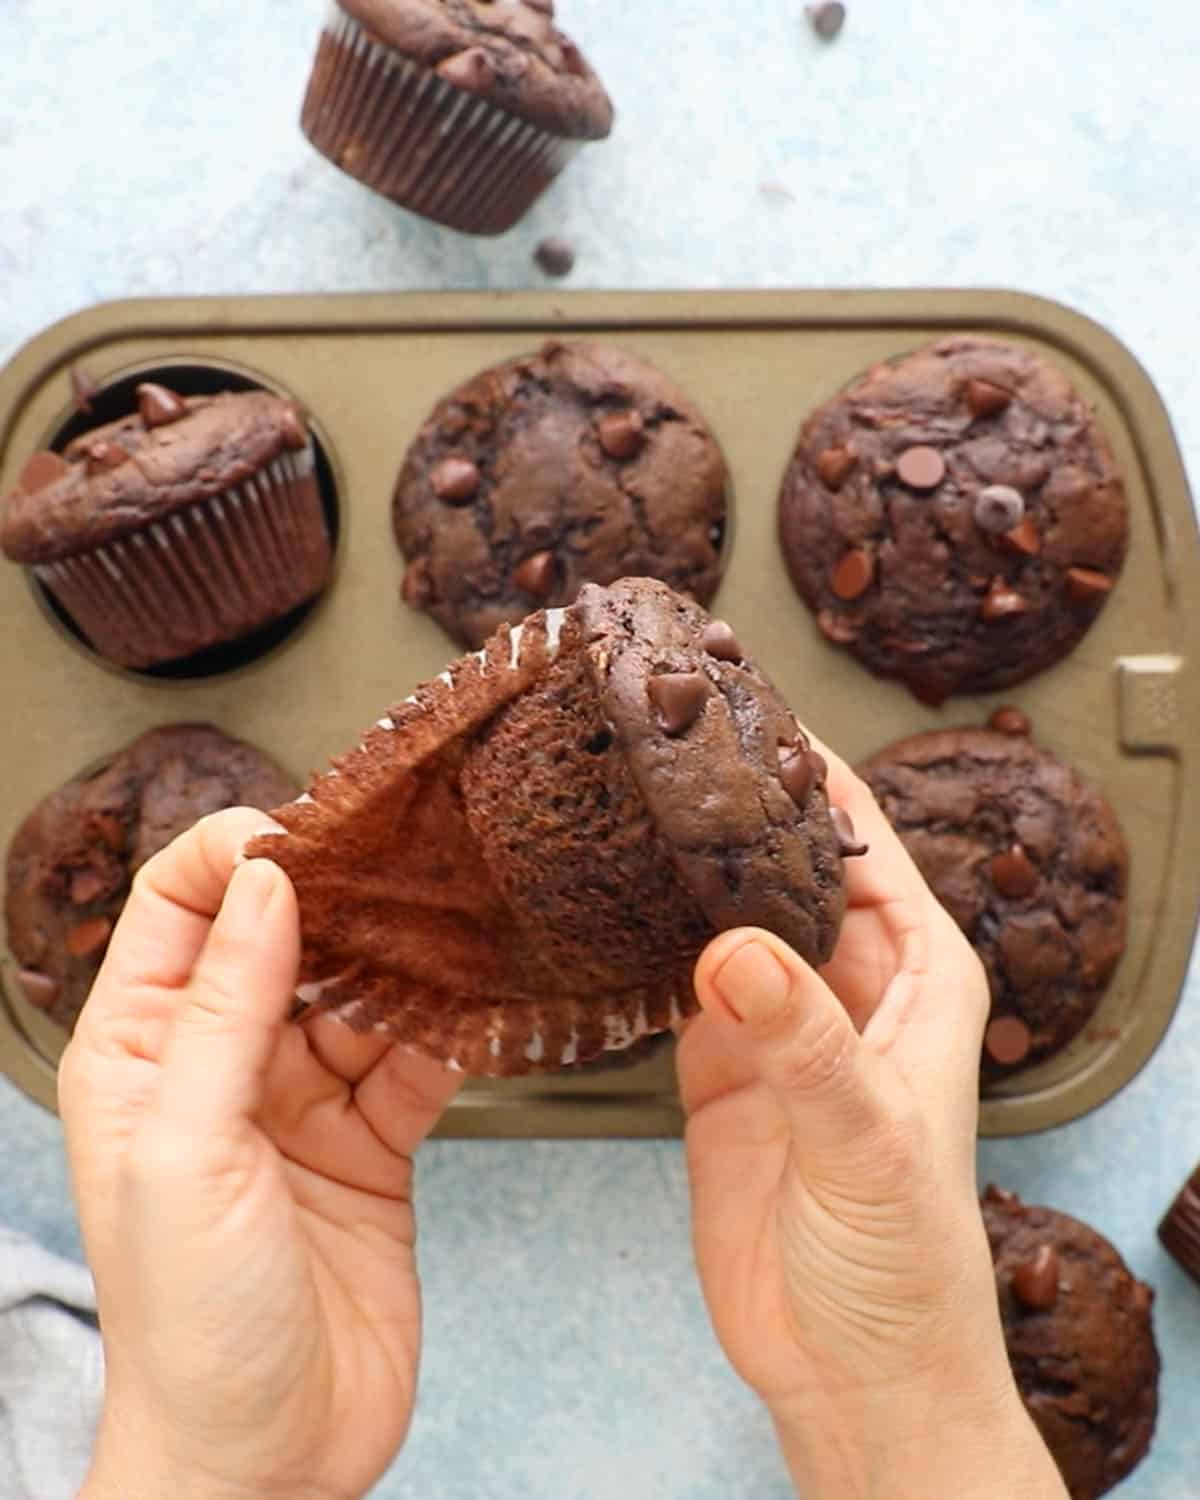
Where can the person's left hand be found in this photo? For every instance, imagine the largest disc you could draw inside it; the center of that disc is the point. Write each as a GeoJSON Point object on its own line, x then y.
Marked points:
{"type": "Point", "coordinates": [244, 1190]}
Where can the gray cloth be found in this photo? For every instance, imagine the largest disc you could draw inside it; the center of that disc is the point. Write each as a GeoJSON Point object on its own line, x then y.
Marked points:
{"type": "Point", "coordinates": [51, 1371]}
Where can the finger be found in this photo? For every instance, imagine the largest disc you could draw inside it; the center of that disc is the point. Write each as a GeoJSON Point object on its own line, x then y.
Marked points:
{"type": "Point", "coordinates": [230, 1012]}
{"type": "Point", "coordinates": [346, 1053]}
{"type": "Point", "coordinates": [781, 1018]}
{"type": "Point", "coordinates": [403, 1097]}
{"type": "Point", "coordinates": [168, 914]}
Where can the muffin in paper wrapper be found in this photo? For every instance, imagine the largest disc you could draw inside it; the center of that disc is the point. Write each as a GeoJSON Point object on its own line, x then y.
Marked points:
{"type": "Point", "coordinates": [501, 877]}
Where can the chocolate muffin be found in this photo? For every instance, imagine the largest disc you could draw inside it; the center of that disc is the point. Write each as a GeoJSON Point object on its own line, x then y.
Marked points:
{"type": "Point", "coordinates": [464, 111]}
{"type": "Point", "coordinates": [186, 524]}
{"type": "Point", "coordinates": [1180, 1227]}
{"type": "Point", "coordinates": [577, 464]}
{"type": "Point", "coordinates": [73, 859]}
{"type": "Point", "coordinates": [1080, 1341]}
{"type": "Point", "coordinates": [1029, 860]}
{"type": "Point", "coordinates": [518, 867]}
{"type": "Point", "coordinates": [955, 517]}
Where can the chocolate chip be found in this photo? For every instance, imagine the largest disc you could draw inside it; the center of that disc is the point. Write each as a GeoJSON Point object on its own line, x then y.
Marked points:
{"type": "Point", "coordinates": [849, 844]}
{"type": "Point", "coordinates": [1013, 873]}
{"type": "Point", "coordinates": [84, 388]}
{"type": "Point", "coordinates": [555, 256]}
{"type": "Point", "coordinates": [985, 399]}
{"type": "Point", "coordinates": [840, 629]}
{"type": "Point", "coordinates": [1001, 600]}
{"type": "Point", "coordinates": [718, 639]}
{"type": "Point", "coordinates": [108, 829]}
{"type": "Point", "coordinates": [1009, 720]}
{"type": "Point", "coordinates": [455, 480]}
{"type": "Point", "coordinates": [834, 466]}
{"type": "Point", "coordinates": [41, 469]}
{"type": "Point", "coordinates": [622, 434]}
{"type": "Point", "coordinates": [679, 698]}
{"type": "Point", "coordinates": [820, 768]}
{"type": "Point", "coordinates": [537, 574]}
{"type": "Point", "coordinates": [1007, 1040]}
{"type": "Point", "coordinates": [797, 774]}
{"type": "Point", "coordinates": [293, 429]}
{"type": "Point", "coordinates": [87, 885]}
{"type": "Point", "coordinates": [88, 937]}
{"type": "Point", "coordinates": [826, 19]}
{"type": "Point", "coordinates": [157, 406]}
{"type": "Point", "coordinates": [101, 455]}
{"type": "Point", "coordinates": [1085, 585]}
{"type": "Point", "coordinates": [999, 508]}
{"type": "Point", "coordinates": [1035, 1282]}
{"type": "Point", "coordinates": [417, 587]}
{"type": "Point", "coordinates": [927, 687]}
{"type": "Point", "coordinates": [854, 574]}
{"type": "Point", "coordinates": [921, 468]}
{"type": "Point", "coordinates": [38, 989]}
{"type": "Point", "coordinates": [994, 1194]}
{"type": "Point", "coordinates": [1024, 539]}
{"type": "Point", "coordinates": [471, 70]}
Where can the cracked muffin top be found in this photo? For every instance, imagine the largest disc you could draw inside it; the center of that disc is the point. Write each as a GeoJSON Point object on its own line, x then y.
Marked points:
{"type": "Point", "coordinates": [506, 51]}
{"type": "Point", "coordinates": [577, 464]}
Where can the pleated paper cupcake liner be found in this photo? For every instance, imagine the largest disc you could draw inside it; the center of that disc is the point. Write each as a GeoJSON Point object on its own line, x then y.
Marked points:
{"type": "Point", "coordinates": [426, 144]}
{"type": "Point", "coordinates": [204, 575]}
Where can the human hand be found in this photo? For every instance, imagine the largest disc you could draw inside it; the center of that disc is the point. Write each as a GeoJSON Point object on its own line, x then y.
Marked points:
{"type": "Point", "coordinates": [244, 1190]}
{"type": "Point", "coordinates": [831, 1133]}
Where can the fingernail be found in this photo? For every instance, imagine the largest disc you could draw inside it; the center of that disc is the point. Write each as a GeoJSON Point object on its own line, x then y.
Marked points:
{"type": "Point", "coordinates": [248, 895]}
{"type": "Point", "coordinates": [752, 983]}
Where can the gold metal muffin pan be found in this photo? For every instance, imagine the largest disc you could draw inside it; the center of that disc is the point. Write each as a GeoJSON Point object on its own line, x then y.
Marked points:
{"type": "Point", "coordinates": [1123, 706]}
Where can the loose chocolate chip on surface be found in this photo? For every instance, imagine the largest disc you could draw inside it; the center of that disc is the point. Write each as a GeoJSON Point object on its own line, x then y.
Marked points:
{"type": "Point", "coordinates": [88, 937]}
{"type": "Point", "coordinates": [42, 468]}
{"type": "Point", "coordinates": [985, 399]}
{"type": "Point", "coordinates": [157, 406]}
{"type": "Point", "coordinates": [1001, 600]}
{"type": "Point", "coordinates": [455, 480]}
{"type": "Point", "coordinates": [83, 388]}
{"type": "Point", "coordinates": [999, 508]}
{"type": "Point", "coordinates": [1007, 1040]}
{"type": "Point", "coordinates": [850, 844]}
{"type": "Point", "coordinates": [921, 468]}
{"type": "Point", "coordinates": [1024, 539]}
{"type": "Point", "coordinates": [38, 989]}
{"type": "Point", "coordinates": [1085, 585]}
{"type": "Point", "coordinates": [1009, 720]}
{"type": "Point", "coordinates": [718, 639]}
{"type": "Point", "coordinates": [536, 574]}
{"type": "Point", "coordinates": [826, 19]}
{"type": "Point", "coordinates": [679, 698]}
{"type": "Point", "coordinates": [555, 256]}
{"type": "Point", "coordinates": [854, 574]}
{"type": "Point", "coordinates": [1013, 873]}
{"type": "Point", "coordinates": [622, 434]}
{"type": "Point", "coordinates": [797, 774]}
{"type": "Point", "coordinates": [417, 587]}
{"type": "Point", "coordinates": [834, 466]}
{"type": "Point", "coordinates": [1035, 1282]}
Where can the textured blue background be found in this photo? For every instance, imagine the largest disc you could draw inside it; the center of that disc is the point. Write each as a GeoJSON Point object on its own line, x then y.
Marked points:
{"type": "Point", "coordinates": [1046, 145]}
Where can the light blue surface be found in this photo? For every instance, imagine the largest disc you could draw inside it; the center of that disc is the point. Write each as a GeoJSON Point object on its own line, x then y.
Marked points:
{"type": "Point", "coordinates": [1046, 145]}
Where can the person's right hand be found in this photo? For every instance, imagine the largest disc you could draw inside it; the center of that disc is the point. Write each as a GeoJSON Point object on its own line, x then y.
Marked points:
{"type": "Point", "coordinates": [831, 1133]}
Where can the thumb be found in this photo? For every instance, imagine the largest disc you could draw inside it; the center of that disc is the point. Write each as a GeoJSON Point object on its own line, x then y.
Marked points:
{"type": "Point", "coordinates": [240, 989]}
{"type": "Point", "coordinates": [788, 1029]}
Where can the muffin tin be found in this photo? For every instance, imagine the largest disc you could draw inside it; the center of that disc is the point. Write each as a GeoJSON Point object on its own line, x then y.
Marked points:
{"type": "Point", "coordinates": [1123, 706]}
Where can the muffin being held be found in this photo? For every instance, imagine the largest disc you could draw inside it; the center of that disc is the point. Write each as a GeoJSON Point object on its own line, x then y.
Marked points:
{"type": "Point", "coordinates": [580, 463]}
{"type": "Point", "coordinates": [464, 111]}
{"type": "Point", "coordinates": [518, 868]}
{"type": "Point", "coordinates": [73, 859]}
{"type": "Point", "coordinates": [189, 523]}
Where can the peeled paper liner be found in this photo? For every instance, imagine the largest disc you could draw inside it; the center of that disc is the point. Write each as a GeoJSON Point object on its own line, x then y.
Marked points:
{"type": "Point", "coordinates": [403, 931]}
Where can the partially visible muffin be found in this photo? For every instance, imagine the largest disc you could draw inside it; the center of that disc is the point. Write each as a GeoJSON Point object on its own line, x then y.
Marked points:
{"type": "Point", "coordinates": [1030, 861]}
{"type": "Point", "coordinates": [72, 861]}
{"type": "Point", "coordinates": [955, 517]}
{"type": "Point", "coordinates": [464, 111]}
{"type": "Point", "coordinates": [579, 463]}
{"type": "Point", "coordinates": [186, 524]}
{"type": "Point", "coordinates": [1080, 1340]}
{"type": "Point", "coordinates": [1179, 1230]}
{"type": "Point", "coordinates": [519, 866]}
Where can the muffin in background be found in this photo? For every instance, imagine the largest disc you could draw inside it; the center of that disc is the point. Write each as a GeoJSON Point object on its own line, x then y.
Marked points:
{"type": "Point", "coordinates": [463, 111]}
{"type": "Point", "coordinates": [1080, 1339]}
{"type": "Point", "coordinates": [72, 861]}
{"type": "Point", "coordinates": [186, 524]}
{"type": "Point", "coordinates": [578, 463]}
